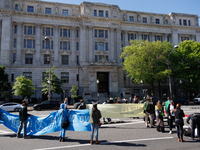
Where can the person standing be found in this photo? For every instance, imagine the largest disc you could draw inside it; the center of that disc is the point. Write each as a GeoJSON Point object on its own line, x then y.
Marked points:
{"type": "Point", "coordinates": [23, 116]}
{"type": "Point", "coordinates": [148, 113]}
{"type": "Point", "coordinates": [171, 115]}
{"type": "Point", "coordinates": [95, 116]}
{"type": "Point", "coordinates": [195, 122]}
{"type": "Point", "coordinates": [65, 115]}
{"type": "Point", "coordinates": [82, 105]}
{"type": "Point", "coordinates": [179, 114]}
{"type": "Point", "coordinates": [66, 102]}
{"type": "Point", "coordinates": [159, 116]}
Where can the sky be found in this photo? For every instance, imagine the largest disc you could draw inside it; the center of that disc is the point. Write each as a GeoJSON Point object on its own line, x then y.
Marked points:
{"type": "Point", "coordinates": [154, 6]}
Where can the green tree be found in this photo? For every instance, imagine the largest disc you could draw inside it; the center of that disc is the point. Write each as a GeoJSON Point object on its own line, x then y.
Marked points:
{"type": "Point", "coordinates": [74, 92]}
{"type": "Point", "coordinates": [5, 85]}
{"type": "Point", "coordinates": [146, 61]}
{"type": "Point", "coordinates": [23, 87]}
{"type": "Point", "coordinates": [185, 65]}
{"type": "Point", "coordinates": [56, 83]}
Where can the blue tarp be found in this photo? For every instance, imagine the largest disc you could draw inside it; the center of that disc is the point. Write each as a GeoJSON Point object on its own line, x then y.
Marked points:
{"type": "Point", "coordinates": [79, 121]}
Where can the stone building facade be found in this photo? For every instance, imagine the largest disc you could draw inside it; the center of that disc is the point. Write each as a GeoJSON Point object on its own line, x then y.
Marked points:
{"type": "Point", "coordinates": [91, 34]}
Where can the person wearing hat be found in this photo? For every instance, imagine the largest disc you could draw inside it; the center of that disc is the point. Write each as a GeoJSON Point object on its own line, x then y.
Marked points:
{"type": "Point", "coordinates": [95, 116]}
{"type": "Point", "coordinates": [171, 115]}
{"type": "Point", "coordinates": [23, 116]}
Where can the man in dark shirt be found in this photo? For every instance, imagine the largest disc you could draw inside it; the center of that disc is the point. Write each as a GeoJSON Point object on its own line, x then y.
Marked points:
{"type": "Point", "coordinates": [23, 116]}
{"type": "Point", "coordinates": [195, 121]}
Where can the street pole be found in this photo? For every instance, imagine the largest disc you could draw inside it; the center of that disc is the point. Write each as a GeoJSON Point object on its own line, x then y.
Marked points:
{"type": "Point", "coordinates": [49, 81]}
{"type": "Point", "coordinates": [98, 89]}
{"type": "Point", "coordinates": [170, 86]}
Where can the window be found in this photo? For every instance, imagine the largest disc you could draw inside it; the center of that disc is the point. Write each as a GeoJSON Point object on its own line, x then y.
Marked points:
{"type": "Point", "coordinates": [96, 58]}
{"type": "Point", "coordinates": [51, 31]}
{"type": "Point", "coordinates": [183, 38]}
{"type": "Point", "coordinates": [68, 45]}
{"type": "Point", "coordinates": [28, 75]}
{"type": "Point", "coordinates": [144, 20]}
{"type": "Point", "coordinates": [48, 11]}
{"type": "Point", "coordinates": [101, 46]}
{"type": "Point", "coordinates": [60, 32]}
{"type": "Point", "coordinates": [158, 38]}
{"type": "Point", "coordinates": [157, 21]}
{"type": "Point", "coordinates": [69, 33]}
{"type": "Point", "coordinates": [14, 57]}
{"type": "Point", "coordinates": [77, 33]}
{"type": "Point", "coordinates": [47, 31]}
{"type": "Point", "coordinates": [65, 77]}
{"type": "Point", "coordinates": [24, 43]}
{"type": "Point", "coordinates": [180, 22]}
{"type": "Point", "coordinates": [64, 45]}
{"type": "Point", "coordinates": [29, 30]}
{"type": "Point", "coordinates": [95, 33]}
{"type": "Point", "coordinates": [15, 30]}
{"type": "Point", "coordinates": [43, 44]}
{"type": "Point", "coordinates": [46, 59]}
{"type": "Point", "coordinates": [95, 46]}
{"type": "Point", "coordinates": [95, 12]}
{"type": "Point", "coordinates": [51, 44]}
{"type": "Point", "coordinates": [107, 58]}
{"type": "Point", "coordinates": [121, 36]}
{"type": "Point", "coordinates": [100, 13]}
{"type": "Point", "coordinates": [60, 45]}
{"type": "Point", "coordinates": [77, 46]}
{"type": "Point", "coordinates": [47, 44]}
{"type": "Point", "coordinates": [131, 18]}
{"type": "Point", "coordinates": [28, 59]}
{"type": "Point", "coordinates": [106, 46]}
{"type": "Point", "coordinates": [64, 32]}
{"type": "Point", "coordinates": [145, 37]}
{"type": "Point", "coordinates": [107, 14]}
{"type": "Point", "coordinates": [131, 37]}
{"type": "Point", "coordinates": [65, 12]}
{"type": "Point", "coordinates": [12, 77]}
{"type": "Point", "coordinates": [64, 59]}
{"type": "Point", "coordinates": [101, 33]}
{"type": "Point", "coordinates": [77, 60]}
{"type": "Point", "coordinates": [15, 43]}
{"type": "Point", "coordinates": [16, 6]}
{"type": "Point", "coordinates": [106, 33]}
{"type": "Point", "coordinates": [77, 77]}
{"type": "Point", "coordinates": [189, 23]}
{"type": "Point", "coordinates": [184, 22]}
{"type": "Point", "coordinates": [29, 43]}
{"type": "Point", "coordinates": [30, 9]}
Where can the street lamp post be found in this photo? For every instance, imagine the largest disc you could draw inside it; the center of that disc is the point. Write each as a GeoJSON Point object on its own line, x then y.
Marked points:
{"type": "Point", "coordinates": [170, 86]}
{"type": "Point", "coordinates": [64, 94]}
{"type": "Point", "coordinates": [142, 87]}
{"type": "Point", "coordinates": [49, 60]}
{"type": "Point", "coordinates": [98, 89]}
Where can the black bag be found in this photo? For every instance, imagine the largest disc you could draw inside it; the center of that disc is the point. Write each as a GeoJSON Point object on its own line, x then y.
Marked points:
{"type": "Point", "coordinates": [178, 122]}
{"type": "Point", "coordinates": [65, 124]}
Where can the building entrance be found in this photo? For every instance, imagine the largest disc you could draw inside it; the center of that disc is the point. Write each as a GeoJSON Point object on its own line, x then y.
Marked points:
{"type": "Point", "coordinates": [103, 82]}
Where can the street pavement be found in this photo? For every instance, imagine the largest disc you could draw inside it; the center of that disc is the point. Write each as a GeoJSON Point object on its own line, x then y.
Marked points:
{"type": "Point", "coordinates": [124, 133]}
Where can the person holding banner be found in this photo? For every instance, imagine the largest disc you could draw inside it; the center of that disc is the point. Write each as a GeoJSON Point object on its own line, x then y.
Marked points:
{"type": "Point", "coordinates": [159, 117]}
{"type": "Point", "coordinates": [95, 115]}
{"type": "Point", "coordinates": [65, 114]}
{"type": "Point", "coordinates": [23, 116]}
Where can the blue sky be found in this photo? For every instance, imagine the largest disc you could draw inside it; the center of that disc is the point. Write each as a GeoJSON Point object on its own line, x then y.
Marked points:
{"type": "Point", "coordinates": [154, 6]}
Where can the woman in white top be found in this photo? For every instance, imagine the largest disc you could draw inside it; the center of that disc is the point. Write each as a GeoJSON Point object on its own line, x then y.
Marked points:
{"type": "Point", "coordinates": [171, 114]}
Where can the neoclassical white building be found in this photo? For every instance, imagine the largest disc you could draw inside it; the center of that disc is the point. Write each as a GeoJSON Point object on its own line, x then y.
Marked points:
{"type": "Point", "coordinates": [91, 34]}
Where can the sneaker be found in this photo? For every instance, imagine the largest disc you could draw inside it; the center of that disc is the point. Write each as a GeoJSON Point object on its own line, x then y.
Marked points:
{"type": "Point", "coordinates": [170, 132]}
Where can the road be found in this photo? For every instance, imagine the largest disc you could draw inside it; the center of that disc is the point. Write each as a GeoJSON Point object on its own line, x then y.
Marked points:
{"type": "Point", "coordinates": [125, 133]}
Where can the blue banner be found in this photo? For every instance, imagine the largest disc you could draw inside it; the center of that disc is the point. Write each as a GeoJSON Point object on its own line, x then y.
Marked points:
{"type": "Point", "coordinates": [79, 121]}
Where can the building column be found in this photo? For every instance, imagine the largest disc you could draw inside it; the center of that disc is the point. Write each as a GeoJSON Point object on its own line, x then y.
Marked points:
{"type": "Point", "coordinates": [126, 38]}
{"type": "Point", "coordinates": [6, 41]}
{"type": "Point", "coordinates": [139, 36]}
{"type": "Point", "coordinates": [56, 45]}
{"type": "Point", "coordinates": [174, 37]}
{"type": "Point", "coordinates": [152, 37]}
{"type": "Point", "coordinates": [73, 47]}
{"type": "Point", "coordinates": [83, 46]}
{"type": "Point", "coordinates": [38, 45]}
{"type": "Point", "coordinates": [118, 46]}
{"type": "Point", "coordinates": [112, 50]}
{"type": "Point", "coordinates": [91, 43]}
{"type": "Point", "coordinates": [198, 36]}
{"type": "Point", "coordinates": [19, 44]}
{"type": "Point", "coordinates": [179, 38]}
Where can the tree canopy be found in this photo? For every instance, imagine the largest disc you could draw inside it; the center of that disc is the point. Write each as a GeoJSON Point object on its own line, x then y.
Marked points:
{"type": "Point", "coordinates": [147, 61]}
{"type": "Point", "coordinates": [4, 82]}
{"type": "Point", "coordinates": [23, 87]}
{"type": "Point", "coordinates": [185, 64]}
{"type": "Point", "coordinates": [56, 83]}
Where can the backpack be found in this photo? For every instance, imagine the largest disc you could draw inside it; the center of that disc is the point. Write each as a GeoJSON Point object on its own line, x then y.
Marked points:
{"type": "Point", "coordinates": [146, 106]}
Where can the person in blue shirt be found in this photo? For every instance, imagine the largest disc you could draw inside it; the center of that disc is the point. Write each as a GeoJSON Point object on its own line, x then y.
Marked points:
{"type": "Point", "coordinates": [65, 115]}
